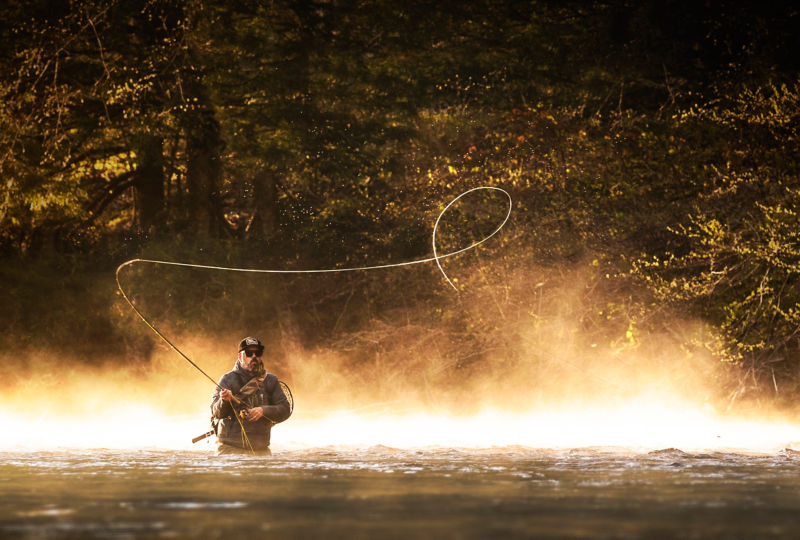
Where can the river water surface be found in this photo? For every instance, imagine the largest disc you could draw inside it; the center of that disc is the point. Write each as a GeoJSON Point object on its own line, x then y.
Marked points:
{"type": "Point", "coordinates": [383, 492]}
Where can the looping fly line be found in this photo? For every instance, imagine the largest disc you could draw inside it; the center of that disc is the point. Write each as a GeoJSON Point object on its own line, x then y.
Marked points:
{"type": "Point", "coordinates": [436, 258]}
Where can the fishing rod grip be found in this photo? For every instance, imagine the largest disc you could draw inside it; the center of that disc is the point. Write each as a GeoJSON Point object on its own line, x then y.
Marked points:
{"type": "Point", "coordinates": [203, 436]}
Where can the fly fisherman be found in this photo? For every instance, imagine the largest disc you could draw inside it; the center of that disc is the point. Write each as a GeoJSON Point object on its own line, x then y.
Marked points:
{"type": "Point", "coordinates": [249, 397]}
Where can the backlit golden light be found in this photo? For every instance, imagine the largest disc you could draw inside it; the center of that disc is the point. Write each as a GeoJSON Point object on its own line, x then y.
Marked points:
{"type": "Point", "coordinates": [637, 426]}
{"type": "Point", "coordinates": [574, 400]}
{"type": "Point", "coordinates": [106, 418]}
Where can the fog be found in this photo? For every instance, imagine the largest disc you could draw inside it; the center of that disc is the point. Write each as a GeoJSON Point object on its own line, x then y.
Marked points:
{"type": "Point", "coordinates": [541, 378]}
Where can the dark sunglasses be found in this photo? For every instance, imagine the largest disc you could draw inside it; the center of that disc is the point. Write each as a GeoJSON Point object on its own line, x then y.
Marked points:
{"type": "Point", "coordinates": [254, 353]}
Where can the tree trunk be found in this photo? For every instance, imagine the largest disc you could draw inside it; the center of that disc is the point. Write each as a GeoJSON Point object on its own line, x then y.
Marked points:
{"type": "Point", "coordinates": [149, 185]}
{"type": "Point", "coordinates": [203, 168]}
{"type": "Point", "coordinates": [264, 219]}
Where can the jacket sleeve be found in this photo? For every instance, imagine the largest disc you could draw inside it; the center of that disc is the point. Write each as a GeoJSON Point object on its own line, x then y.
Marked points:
{"type": "Point", "coordinates": [219, 407]}
{"type": "Point", "coordinates": [278, 408]}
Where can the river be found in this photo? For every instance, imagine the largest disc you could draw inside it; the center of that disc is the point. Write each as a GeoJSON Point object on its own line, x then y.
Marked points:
{"type": "Point", "coordinates": [383, 492]}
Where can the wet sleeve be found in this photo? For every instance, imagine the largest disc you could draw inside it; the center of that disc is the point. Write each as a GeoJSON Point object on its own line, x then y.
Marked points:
{"type": "Point", "coordinates": [278, 408]}
{"type": "Point", "coordinates": [219, 407]}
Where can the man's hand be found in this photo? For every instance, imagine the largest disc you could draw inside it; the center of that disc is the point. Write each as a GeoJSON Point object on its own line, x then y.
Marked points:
{"type": "Point", "coordinates": [255, 413]}
{"type": "Point", "coordinates": [226, 395]}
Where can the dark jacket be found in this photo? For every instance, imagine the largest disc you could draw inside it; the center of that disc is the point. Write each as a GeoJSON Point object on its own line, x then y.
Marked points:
{"type": "Point", "coordinates": [269, 397]}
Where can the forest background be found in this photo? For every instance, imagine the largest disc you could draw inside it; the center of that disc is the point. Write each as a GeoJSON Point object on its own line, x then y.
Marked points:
{"type": "Point", "coordinates": [651, 150]}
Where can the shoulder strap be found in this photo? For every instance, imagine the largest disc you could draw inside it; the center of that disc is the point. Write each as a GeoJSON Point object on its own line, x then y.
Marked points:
{"type": "Point", "coordinates": [250, 387]}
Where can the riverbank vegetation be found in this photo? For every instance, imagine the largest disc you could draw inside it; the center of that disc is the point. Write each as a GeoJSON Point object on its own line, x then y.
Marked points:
{"type": "Point", "coordinates": [651, 149]}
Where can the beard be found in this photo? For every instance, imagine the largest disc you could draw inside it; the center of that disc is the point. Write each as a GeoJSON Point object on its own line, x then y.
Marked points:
{"type": "Point", "coordinates": [256, 368]}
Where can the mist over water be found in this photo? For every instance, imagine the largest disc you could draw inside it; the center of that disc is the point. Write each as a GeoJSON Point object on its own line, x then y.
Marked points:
{"type": "Point", "coordinates": [583, 401]}
{"type": "Point", "coordinates": [554, 388]}
{"type": "Point", "coordinates": [167, 405]}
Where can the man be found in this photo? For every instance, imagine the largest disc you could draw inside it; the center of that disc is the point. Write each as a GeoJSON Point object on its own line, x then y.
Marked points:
{"type": "Point", "coordinates": [249, 397]}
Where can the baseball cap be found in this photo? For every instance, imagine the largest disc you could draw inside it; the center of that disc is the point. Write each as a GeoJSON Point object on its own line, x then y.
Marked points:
{"type": "Point", "coordinates": [251, 342]}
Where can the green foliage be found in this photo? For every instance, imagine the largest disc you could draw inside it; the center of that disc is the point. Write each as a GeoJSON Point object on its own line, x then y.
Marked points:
{"type": "Point", "coordinates": [736, 262]}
